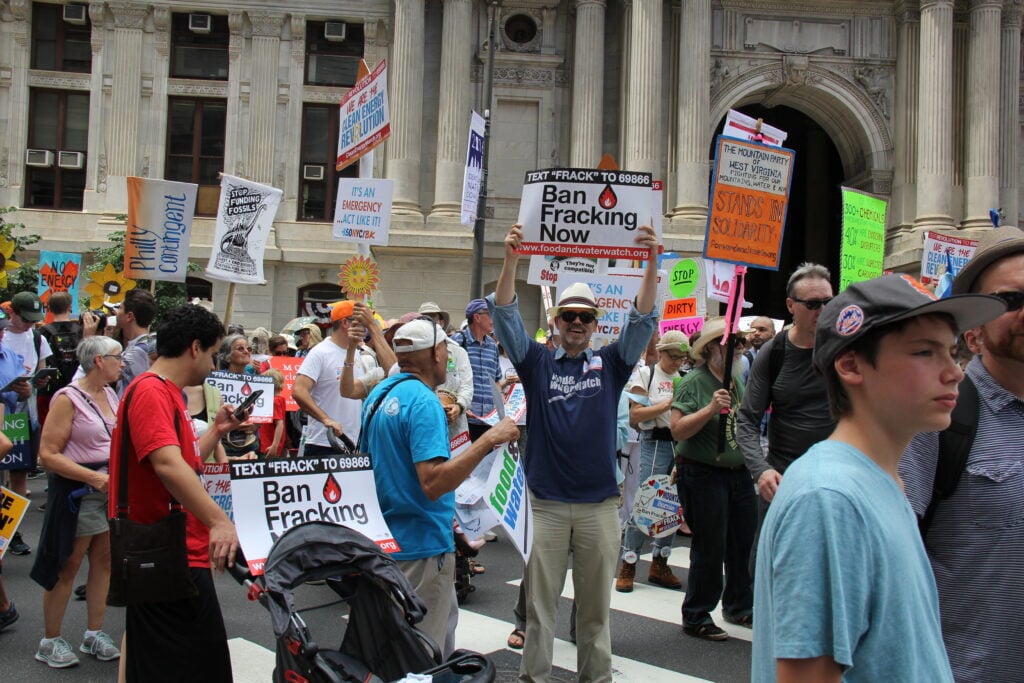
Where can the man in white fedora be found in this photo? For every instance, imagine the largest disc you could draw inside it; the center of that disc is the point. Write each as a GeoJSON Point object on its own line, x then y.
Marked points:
{"type": "Point", "coordinates": [572, 399]}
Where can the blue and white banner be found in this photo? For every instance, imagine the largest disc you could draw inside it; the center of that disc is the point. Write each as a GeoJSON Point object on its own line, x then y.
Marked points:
{"type": "Point", "coordinates": [474, 169]}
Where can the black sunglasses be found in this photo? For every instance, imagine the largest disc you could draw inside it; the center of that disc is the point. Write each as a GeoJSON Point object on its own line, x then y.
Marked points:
{"type": "Point", "coordinates": [812, 304]}
{"type": "Point", "coordinates": [584, 317]}
{"type": "Point", "coordinates": [1014, 300]}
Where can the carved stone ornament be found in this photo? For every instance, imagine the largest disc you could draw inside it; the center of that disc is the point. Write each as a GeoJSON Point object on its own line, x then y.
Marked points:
{"type": "Point", "coordinates": [3, 166]}
{"type": "Point", "coordinates": [101, 173]}
{"type": "Point", "coordinates": [795, 69]}
{"type": "Point", "coordinates": [876, 82]}
{"type": "Point", "coordinates": [266, 24]}
{"type": "Point", "coordinates": [129, 16]}
{"type": "Point", "coordinates": [19, 9]}
{"type": "Point", "coordinates": [59, 80]}
{"type": "Point", "coordinates": [533, 45]}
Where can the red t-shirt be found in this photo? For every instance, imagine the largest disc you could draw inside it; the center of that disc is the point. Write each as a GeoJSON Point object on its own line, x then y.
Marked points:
{"type": "Point", "coordinates": [150, 414]}
{"type": "Point", "coordinates": [267, 429]}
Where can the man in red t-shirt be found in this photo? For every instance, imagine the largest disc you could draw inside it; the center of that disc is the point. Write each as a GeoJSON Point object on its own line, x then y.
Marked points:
{"type": "Point", "coordinates": [183, 639]}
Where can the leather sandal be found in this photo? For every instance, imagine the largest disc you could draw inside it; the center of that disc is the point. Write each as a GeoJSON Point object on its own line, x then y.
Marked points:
{"type": "Point", "coordinates": [516, 639]}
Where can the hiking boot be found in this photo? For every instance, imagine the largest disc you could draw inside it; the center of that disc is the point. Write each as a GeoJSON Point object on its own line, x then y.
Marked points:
{"type": "Point", "coordinates": [100, 646]}
{"type": "Point", "coordinates": [18, 545]}
{"type": "Point", "coordinates": [661, 574]}
{"type": "Point", "coordinates": [57, 654]}
{"type": "Point", "coordinates": [9, 617]}
{"type": "Point", "coordinates": [624, 579]}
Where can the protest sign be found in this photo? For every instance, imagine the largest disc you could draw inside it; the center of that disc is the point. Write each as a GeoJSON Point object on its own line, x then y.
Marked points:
{"type": "Point", "coordinates": [289, 367]}
{"type": "Point", "coordinates": [12, 511]}
{"type": "Point", "coordinates": [739, 125]}
{"type": "Point", "coordinates": [217, 479]}
{"type": "Point", "coordinates": [863, 246]}
{"type": "Point", "coordinates": [515, 406]}
{"type": "Point", "coordinates": [544, 270]}
{"type": "Point", "coordinates": [244, 217]}
{"type": "Point", "coordinates": [235, 388]}
{"type": "Point", "coordinates": [679, 308]}
{"type": "Point", "coordinates": [685, 325]}
{"type": "Point", "coordinates": [720, 277]}
{"type": "Point", "coordinates": [585, 212]}
{"type": "Point", "coordinates": [58, 272]}
{"type": "Point", "coordinates": [364, 120]}
{"type": "Point", "coordinates": [656, 509]}
{"type": "Point", "coordinates": [472, 511]}
{"type": "Point", "coordinates": [159, 228]}
{"type": "Point", "coordinates": [940, 249]}
{"type": "Point", "coordinates": [271, 496]}
{"type": "Point", "coordinates": [509, 499]}
{"type": "Point", "coordinates": [362, 212]}
{"type": "Point", "coordinates": [749, 197]}
{"type": "Point", "coordinates": [474, 172]}
{"type": "Point", "coordinates": [614, 294]}
{"type": "Point", "coordinates": [16, 429]}
{"type": "Point", "coordinates": [684, 277]}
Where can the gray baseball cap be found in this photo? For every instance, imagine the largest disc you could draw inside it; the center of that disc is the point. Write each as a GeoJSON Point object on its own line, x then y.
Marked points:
{"type": "Point", "coordinates": [868, 305]}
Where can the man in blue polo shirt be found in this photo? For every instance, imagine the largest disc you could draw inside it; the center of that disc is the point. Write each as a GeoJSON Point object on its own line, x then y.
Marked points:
{"type": "Point", "coordinates": [405, 429]}
{"type": "Point", "coordinates": [483, 357]}
{"type": "Point", "coordinates": [572, 399]}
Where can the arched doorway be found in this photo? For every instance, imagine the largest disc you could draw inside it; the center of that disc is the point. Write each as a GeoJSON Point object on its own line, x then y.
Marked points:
{"type": "Point", "coordinates": [814, 218]}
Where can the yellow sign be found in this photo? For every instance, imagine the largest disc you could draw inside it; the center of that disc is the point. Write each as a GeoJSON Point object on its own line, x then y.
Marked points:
{"type": "Point", "coordinates": [12, 509]}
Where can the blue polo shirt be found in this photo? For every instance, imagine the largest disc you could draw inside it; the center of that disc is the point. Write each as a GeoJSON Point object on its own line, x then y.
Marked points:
{"type": "Point", "coordinates": [483, 357]}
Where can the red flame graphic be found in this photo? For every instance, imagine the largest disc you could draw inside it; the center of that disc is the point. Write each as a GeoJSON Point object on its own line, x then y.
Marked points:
{"type": "Point", "coordinates": [607, 198]}
{"type": "Point", "coordinates": [332, 489]}
{"type": "Point", "coordinates": [246, 389]}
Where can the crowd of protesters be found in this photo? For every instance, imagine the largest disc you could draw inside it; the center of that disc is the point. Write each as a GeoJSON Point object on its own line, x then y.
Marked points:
{"type": "Point", "coordinates": [799, 524]}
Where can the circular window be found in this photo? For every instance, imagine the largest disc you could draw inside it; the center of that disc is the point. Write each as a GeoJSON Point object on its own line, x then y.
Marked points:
{"type": "Point", "coordinates": [520, 29]}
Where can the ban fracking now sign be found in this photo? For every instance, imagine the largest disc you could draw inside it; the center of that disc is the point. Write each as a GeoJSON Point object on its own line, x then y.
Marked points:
{"type": "Point", "coordinates": [586, 212]}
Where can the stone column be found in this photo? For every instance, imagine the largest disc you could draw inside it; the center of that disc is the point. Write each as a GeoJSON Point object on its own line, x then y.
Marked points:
{"type": "Point", "coordinates": [235, 151]}
{"type": "Point", "coordinates": [935, 116]}
{"type": "Point", "coordinates": [14, 107]}
{"type": "Point", "coordinates": [643, 94]}
{"type": "Point", "coordinates": [455, 105]}
{"type": "Point", "coordinates": [1009, 117]}
{"type": "Point", "coordinates": [983, 113]}
{"type": "Point", "coordinates": [125, 101]}
{"type": "Point", "coordinates": [405, 74]}
{"type": "Point", "coordinates": [694, 103]}
{"type": "Point", "coordinates": [588, 84]}
{"type": "Point", "coordinates": [266, 52]}
{"type": "Point", "coordinates": [902, 209]}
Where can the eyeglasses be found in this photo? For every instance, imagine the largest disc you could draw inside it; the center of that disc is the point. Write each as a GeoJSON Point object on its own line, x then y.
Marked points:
{"type": "Point", "coordinates": [283, 351]}
{"type": "Point", "coordinates": [676, 357]}
{"type": "Point", "coordinates": [247, 349]}
{"type": "Point", "coordinates": [570, 317]}
{"type": "Point", "coordinates": [116, 356]}
{"type": "Point", "coordinates": [1014, 300]}
{"type": "Point", "coordinates": [812, 304]}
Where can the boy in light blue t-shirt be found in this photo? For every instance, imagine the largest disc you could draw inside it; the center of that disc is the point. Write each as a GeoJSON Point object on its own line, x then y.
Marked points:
{"type": "Point", "coordinates": [843, 588]}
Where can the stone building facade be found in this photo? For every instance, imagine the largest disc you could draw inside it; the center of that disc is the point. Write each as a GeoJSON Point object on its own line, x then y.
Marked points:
{"type": "Point", "coordinates": [914, 100]}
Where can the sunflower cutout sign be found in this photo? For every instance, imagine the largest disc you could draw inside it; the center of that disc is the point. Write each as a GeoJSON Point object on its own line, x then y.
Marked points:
{"type": "Point", "coordinates": [7, 247]}
{"type": "Point", "coordinates": [107, 286]}
{"type": "Point", "coordinates": [359, 276]}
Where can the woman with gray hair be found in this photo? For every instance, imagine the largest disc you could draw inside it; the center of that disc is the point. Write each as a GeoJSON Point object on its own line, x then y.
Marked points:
{"type": "Point", "coordinates": [236, 356]}
{"type": "Point", "coordinates": [75, 450]}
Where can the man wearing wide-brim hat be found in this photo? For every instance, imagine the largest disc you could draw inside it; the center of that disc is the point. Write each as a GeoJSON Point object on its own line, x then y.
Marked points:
{"type": "Point", "coordinates": [432, 310]}
{"type": "Point", "coordinates": [572, 399]}
{"type": "Point", "coordinates": [975, 538]}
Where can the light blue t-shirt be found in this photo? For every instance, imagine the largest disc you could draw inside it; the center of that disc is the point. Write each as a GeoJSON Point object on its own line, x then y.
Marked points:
{"type": "Point", "coordinates": [842, 572]}
{"type": "Point", "coordinates": [409, 427]}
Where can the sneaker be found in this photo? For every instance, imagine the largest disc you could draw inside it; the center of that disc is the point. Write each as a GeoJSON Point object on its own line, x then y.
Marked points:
{"type": "Point", "coordinates": [18, 545]}
{"type": "Point", "coordinates": [101, 647]}
{"type": "Point", "coordinates": [9, 617]}
{"type": "Point", "coordinates": [707, 631]}
{"type": "Point", "coordinates": [57, 654]}
{"type": "Point", "coordinates": [80, 592]}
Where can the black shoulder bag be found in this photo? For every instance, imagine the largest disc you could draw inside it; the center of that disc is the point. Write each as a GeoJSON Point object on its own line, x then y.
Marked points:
{"type": "Point", "coordinates": [148, 562]}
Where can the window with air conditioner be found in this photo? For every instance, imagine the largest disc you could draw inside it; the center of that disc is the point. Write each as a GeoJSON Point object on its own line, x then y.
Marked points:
{"type": "Point", "coordinates": [318, 150]}
{"type": "Point", "coordinates": [312, 172]}
{"type": "Point", "coordinates": [60, 38]}
{"type": "Point", "coordinates": [58, 120]}
{"type": "Point", "coordinates": [333, 51]}
{"type": "Point", "coordinates": [199, 54]}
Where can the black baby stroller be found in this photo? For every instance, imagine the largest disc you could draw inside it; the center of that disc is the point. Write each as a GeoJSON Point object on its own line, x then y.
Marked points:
{"type": "Point", "coordinates": [381, 642]}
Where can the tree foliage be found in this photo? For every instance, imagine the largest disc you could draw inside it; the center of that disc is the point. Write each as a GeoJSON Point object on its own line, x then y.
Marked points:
{"type": "Point", "coordinates": [25, 278]}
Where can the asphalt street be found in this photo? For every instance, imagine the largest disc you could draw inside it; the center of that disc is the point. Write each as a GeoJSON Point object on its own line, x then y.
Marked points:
{"type": "Point", "coordinates": [647, 641]}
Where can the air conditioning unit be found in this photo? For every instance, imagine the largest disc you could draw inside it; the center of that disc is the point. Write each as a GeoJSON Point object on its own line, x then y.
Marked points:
{"type": "Point", "coordinates": [41, 158]}
{"type": "Point", "coordinates": [75, 14]}
{"type": "Point", "coordinates": [73, 160]}
{"type": "Point", "coordinates": [334, 31]}
{"type": "Point", "coordinates": [200, 23]}
{"type": "Point", "coordinates": [312, 172]}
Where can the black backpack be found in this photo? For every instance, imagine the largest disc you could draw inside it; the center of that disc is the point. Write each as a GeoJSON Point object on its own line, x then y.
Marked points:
{"type": "Point", "coordinates": [954, 446]}
{"type": "Point", "coordinates": [63, 338]}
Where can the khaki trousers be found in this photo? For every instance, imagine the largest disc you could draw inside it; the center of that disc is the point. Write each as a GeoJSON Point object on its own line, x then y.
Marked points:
{"type": "Point", "coordinates": [433, 579]}
{"type": "Point", "coordinates": [590, 531]}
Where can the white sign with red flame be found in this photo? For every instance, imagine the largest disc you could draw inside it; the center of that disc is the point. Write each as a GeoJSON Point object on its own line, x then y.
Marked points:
{"type": "Point", "coordinates": [235, 388]}
{"type": "Point", "coordinates": [272, 496]}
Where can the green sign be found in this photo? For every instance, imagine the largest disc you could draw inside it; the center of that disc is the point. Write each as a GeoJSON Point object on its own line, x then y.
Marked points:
{"type": "Point", "coordinates": [16, 427]}
{"type": "Point", "coordinates": [683, 279]}
{"type": "Point", "coordinates": [863, 247]}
